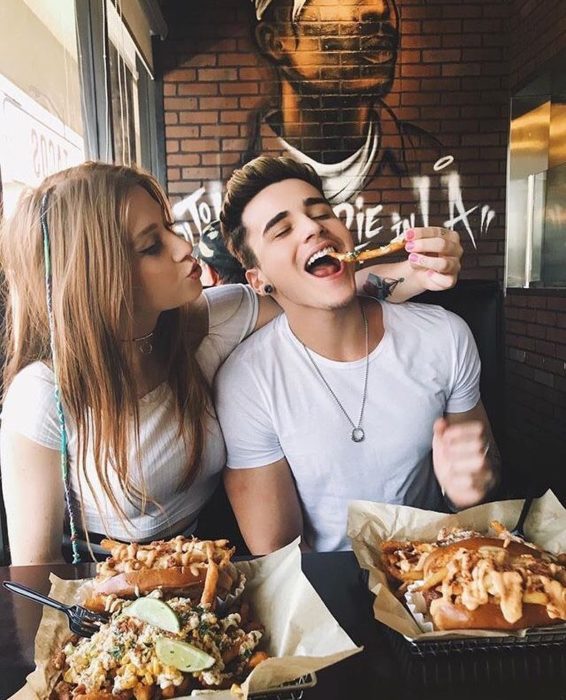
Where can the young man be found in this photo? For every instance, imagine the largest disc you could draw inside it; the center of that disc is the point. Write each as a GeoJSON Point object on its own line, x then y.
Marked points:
{"type": "Point", "coordinates": [341, 397]}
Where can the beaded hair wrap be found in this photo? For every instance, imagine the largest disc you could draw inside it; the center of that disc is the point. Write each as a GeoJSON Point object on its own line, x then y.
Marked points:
{"type": "Point", "coordinates": [60, 414]}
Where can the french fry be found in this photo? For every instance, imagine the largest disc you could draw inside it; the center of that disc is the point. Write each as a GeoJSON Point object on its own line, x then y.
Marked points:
{"type": "Point", "coordinates": [497, 527]}
{"type": "Point", "coordinates": [256, 658]}
{"type": "Point", "coordinates": [354, 256]}
{"type": "Point", "coordinates": [433, 580]}
{"type": "Point", "coordinates": [411, 575]}
{"type": "Point", "coordinates": [536, 597]}
{"type": "Point", "coordinates": [210, 584]}
{"type": "Point", "coordinates": [143, 692]}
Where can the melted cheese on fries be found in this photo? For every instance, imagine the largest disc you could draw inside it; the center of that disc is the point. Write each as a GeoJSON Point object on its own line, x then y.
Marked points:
{"type": "Point", "coordinates": [179, 551]}
{"type": "Point", "coordinates": [493, 575]}
{"type": "Point", "coordinates": [489, 571]}
{"type": "Point", "coordinates": [122, 656]}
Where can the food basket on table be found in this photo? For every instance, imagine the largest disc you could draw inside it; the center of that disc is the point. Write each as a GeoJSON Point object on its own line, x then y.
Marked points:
{"type": "Point", "coordinates": [433, 657]}
{"type": "Point", "coordinates": [284, 609]}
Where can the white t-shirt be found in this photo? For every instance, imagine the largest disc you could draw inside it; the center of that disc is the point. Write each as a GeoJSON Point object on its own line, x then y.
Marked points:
{"type": "Point", "coordinates": [29, 409]}
{"type": "Point", "coordinates": [272, 404]}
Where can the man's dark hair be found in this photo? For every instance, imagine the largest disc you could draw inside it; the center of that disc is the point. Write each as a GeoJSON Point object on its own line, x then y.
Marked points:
{"type": "Point", "coordinates": [243, 186]}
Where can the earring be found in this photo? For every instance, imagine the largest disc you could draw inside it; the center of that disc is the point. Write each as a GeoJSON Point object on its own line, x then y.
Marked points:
{"type": "Point", "coordinates": [267, 289]}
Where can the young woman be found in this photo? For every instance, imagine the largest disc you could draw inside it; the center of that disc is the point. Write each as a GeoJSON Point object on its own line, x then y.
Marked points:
{"type": "Point", "coordinates": [111, 347]}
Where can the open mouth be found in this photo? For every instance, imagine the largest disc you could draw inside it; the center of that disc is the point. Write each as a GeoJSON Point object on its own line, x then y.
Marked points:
{"type": "Point", "coordinates": [322, 264]}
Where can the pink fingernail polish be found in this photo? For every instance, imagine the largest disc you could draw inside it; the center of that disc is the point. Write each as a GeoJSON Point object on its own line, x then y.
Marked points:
{"type": "Point", "coordinates": [409, 235]}
{"type": "Point", "coordinates": [413, 257]}
{"type": "Point", "coordinates": [409, 246]}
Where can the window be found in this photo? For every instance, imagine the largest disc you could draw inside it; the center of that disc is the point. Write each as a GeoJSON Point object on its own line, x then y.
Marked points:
{"type": "Point", "coordinates": [536, 188]}
{"type": "Point", "coordinates": [74, 84]}
{"type": "Point", "coordinates": [122, 55]}
{"type": "Point", "coordinates": [120, 93]}
{"type": "Point", "coordinates": [41, 129]}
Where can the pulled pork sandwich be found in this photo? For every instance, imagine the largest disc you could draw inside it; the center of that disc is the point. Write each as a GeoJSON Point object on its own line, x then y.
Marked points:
{"type": "Point", "coordinates": [404, 560]}
{"type": "Point", "coordinates": [201, 570]}
{"type": "Point", "coordinates": [471, 581]}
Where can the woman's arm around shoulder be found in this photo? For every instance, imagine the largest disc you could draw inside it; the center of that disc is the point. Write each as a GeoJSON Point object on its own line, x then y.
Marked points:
{"type": "Point", "coordinates": [34, 499]}
{"type": "Point", "coordinates": [268, 310]}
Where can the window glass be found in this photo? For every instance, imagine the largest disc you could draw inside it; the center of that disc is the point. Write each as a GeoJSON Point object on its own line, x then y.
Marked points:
{"type": "Point", "coordinates": [553, 256]}
{"type": "Point", "coordinates": [123, 89]}
{"type": "Point", "coordinates": [41, 127]}
{"type": "Point", "coordinates": [536, 186]}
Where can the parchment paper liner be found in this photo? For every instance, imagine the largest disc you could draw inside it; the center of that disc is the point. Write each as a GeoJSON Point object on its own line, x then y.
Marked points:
{"type": "Point", "coordinates": [300, 631]}
{"type": "Point", "coordinates": [416, 603]}
{"type": "Point", "coordinates": [371, 523]}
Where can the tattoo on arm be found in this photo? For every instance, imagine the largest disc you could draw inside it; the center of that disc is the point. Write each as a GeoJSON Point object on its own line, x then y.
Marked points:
{"type": "Point", "coordinates": [380, 287]}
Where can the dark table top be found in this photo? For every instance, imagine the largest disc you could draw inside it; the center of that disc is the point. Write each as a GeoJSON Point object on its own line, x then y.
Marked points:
{"type": "Point", "coordinates": [377, 672]}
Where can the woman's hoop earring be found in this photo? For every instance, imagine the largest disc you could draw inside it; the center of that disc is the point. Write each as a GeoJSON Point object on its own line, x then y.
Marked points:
{"type": "Point", "coordinates": [267, 289]}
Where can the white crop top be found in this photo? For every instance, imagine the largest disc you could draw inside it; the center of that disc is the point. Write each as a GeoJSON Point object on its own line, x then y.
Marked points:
{"type": "Point", "coordinates": [29, 409]}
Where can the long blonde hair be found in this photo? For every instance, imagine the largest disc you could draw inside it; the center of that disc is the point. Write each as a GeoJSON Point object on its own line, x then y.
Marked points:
{"type": "Point", "coordinates": [91, 262]}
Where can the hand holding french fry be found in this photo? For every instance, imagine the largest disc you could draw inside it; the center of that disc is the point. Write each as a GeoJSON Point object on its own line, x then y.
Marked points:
{"type": "Point", "coordinates": [435, 254]}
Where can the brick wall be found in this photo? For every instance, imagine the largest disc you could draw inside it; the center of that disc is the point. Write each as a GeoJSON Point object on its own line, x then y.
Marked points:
{"type": "Point", "coordinates": [453, 82]}
{"type": "Point", "coordinates": [536, 388]}
{"type": "Point", "coordinates": [456, 65]}
{"type": "Point", "coordinates": [450, 81]}
{"type": "Point", "coordinates": [536, 319]}
{"type": "Point", "coordinates": [212, 78]}
{"type": "Point", "coordinates": [537, 33]}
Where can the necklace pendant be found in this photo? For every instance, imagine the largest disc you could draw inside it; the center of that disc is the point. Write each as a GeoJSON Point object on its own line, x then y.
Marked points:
{"type": "Point", "coordinates": [358, 435]}
{"type": "Point", "coordinates": [145, 347]}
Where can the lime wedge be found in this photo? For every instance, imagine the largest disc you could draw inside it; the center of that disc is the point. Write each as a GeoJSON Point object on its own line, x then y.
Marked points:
{"type": "Point", "coordinates": [183, 656]}
{"type": "Point", "coordinates": [155, 612]}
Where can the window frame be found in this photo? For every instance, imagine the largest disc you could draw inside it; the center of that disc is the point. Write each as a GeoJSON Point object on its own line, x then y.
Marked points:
{"type": "Point", "coordinates": [93, 45]}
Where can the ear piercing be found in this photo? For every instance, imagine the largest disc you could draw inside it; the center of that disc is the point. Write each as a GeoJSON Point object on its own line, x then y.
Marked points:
{"type": "Point", "coordinates": [268, 289]}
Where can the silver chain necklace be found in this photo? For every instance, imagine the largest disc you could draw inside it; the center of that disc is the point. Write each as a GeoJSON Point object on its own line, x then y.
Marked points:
{"type": "Point", "coordinates": [357, 434]}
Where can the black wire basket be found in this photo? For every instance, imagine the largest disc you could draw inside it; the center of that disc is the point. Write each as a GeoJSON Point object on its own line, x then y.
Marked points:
{"type": "Point", "coordinates": [539, 655]}
{"type": "Point", "coordinates": [293, 690]}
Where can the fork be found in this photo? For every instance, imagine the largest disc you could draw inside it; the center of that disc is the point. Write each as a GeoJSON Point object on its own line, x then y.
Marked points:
{"type": "Point", "coordinates": [81, 621]}
{"type": "Point", "coordinates": [518, 529]}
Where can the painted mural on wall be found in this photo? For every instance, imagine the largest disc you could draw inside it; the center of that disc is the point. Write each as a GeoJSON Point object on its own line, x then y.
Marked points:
{"type": "Point", "coordinates": [334, 65]}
